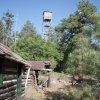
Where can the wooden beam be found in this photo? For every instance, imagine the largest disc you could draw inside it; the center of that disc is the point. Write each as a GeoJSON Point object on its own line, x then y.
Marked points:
{"type": "Point", "coordinates": [28, 72]}
{"type": "Point", "coordinates": [7, 95]}
{"type": "Point", "coordinates": [49, 79]}
{"type": "Point", "coordinates": [37, 75]}
{"type": "Point", "coordinates": [8, 89]}
{"type": "Point", "coordinates": [35, 80]}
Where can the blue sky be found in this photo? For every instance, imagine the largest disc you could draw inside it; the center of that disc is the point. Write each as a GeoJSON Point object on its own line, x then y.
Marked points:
{"type": "Point", "coordinates": [32, 10]}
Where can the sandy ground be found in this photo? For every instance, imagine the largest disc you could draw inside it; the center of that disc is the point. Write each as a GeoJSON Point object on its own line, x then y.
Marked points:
{"type": "Point", "coordinates": [39, 94]}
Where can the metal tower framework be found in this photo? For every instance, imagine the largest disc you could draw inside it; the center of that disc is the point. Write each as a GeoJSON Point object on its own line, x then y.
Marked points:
{"type": "Point", "coordinates": [46, 26]}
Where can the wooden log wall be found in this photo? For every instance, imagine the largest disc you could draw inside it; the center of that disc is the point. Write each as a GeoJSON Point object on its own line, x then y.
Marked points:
{"type": "Point", "coordinates": [8, 89]}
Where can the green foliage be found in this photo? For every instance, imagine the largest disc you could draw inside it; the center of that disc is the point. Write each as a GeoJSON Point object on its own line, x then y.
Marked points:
{"type": "Point", "coordinates": [36, 48]}
{"type": "Point", "coordinates": [6, 24]}
{"type": "Point", "coordinates": [83, 58]}
{"type": "Point", "coordinates": [27, 30]}
{"type": "Point", "coordinates": [86, 7]}
{"type": "Point", "coordinates": [79, 57]}
{"type": "Point", "coordinates": [85, 93]}
{"type": "Point", "coordinates": [2, 32]}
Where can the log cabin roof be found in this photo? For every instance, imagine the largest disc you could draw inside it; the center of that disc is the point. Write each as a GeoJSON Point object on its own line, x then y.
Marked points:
{"type": "Point", "coordinates": [7, 53]}
{"type": "Point", "coordinates": [39, 65]}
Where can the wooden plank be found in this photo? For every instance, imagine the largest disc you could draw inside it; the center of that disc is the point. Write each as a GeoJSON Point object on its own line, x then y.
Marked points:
{"type": "Point", "coordinates": [9, 81]}
{"type": "Point", "coordinates": [2, 91]}
{"type": "Point", "coordinates": [7, 84]}
{"type": "Point", "coordinates": [11, 98]}
{"type": "Point", "coordinates": [9, 77]}
{"type": "Point", "coordinates": [28, 72]}
{"type": "Point", "coordinates": [10, 70]}
{"type": "Point", "coordinates": [7, 95]}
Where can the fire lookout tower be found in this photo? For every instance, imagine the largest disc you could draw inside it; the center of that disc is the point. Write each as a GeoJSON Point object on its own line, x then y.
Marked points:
{"type": "Point", "coordinates": [46, 26]}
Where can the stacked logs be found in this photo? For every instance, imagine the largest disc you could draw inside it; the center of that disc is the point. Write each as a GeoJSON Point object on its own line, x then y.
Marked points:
{"type": "Point", "coordinates": [8, 90]}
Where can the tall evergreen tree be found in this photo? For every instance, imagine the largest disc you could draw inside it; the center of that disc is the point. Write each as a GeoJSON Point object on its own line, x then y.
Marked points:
{"type": "Point", "coordinates": [74, 35]}
{"type": "Point", "coordinates": [2, 32]}
{"type": "Point", "coordinates": [27, 30]}
{"type": "Point", "coordinates": [8, 20]}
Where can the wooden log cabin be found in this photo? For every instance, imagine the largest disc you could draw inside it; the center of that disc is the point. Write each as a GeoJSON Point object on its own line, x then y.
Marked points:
{"type": "Point", "coordinates": [38, 66]}
{"type": "Point", "coordinates": [12, 75]}
{"type": "Point", "coordinates": [32, 79]}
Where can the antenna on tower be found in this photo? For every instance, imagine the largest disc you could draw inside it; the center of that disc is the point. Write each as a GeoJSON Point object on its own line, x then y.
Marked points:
{"type": "Point", "coordinates": [46, 31]}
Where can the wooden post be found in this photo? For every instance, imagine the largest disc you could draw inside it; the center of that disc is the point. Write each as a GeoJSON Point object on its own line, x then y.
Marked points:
{"type": "Point", "coordinates": [1, 72]}
{"type": "Point", "coordinates": [35, 81]}
{"type": "Point", "coordinates": [28, 72]}
{"type": "Point", "coordinates": [19, 81]}
{"type": "Point", "coordinates": [37, 74]}
{"type": "Point", "coordinates": [49, 79]}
